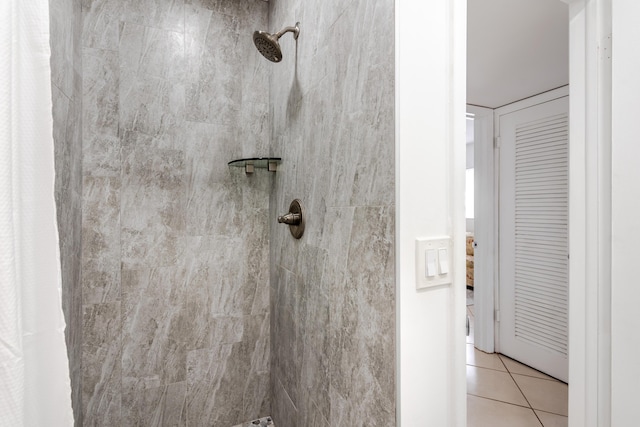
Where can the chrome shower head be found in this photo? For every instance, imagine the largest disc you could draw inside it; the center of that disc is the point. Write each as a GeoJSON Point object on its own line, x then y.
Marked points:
{"type": "Point", "coordinates": [267, 44]}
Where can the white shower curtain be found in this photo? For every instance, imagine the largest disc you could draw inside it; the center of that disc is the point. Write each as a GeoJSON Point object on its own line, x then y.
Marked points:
{"type": "Point", "coordinates": [34, 374]}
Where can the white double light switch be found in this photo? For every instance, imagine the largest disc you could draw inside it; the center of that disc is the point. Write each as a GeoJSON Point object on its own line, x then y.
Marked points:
{"type": "Point", "coordinates": [432, 262]}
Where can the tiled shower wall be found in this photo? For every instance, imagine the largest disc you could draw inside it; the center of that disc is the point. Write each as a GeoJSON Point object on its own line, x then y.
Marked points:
{"type": "Point", "coordinates": [66, 91]}
{"type": "Point", "coordinates": [332, 296]}
{"type": "Point", "coordinates": [175, 260]}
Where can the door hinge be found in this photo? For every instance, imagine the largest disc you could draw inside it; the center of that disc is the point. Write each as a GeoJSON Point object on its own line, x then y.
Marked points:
{"type": "Point", "coordinates": [496, 142]}
{"type": "Point", "coordinates": [606, 48]}
{"type": "Point", "coordinates": [497, 315]}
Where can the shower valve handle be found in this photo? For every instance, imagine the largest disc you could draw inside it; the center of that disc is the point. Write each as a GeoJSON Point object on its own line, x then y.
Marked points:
{"type": "Point", "coordinates": [290, 218]}
{"type": "Point", "coordinates": [295, 219]}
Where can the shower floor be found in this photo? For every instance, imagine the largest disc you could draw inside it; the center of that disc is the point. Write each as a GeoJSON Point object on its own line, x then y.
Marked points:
{"type": "Point", "coordinates": [262, 422]}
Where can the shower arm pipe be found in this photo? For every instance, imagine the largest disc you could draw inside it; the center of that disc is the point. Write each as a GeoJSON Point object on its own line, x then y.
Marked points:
{"type": "Point", "coordinates": [295, 30]}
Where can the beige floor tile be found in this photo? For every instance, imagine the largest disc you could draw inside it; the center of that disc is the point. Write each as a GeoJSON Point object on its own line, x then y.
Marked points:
{"type": "Point", "coordinates": [481, 359]}
{"type": "Point", "coordinates": [552, 420]}
{"type": "Point", "coordinates": [490, 413]}
{"type": "Point", "coordinates": [516, 367]}
{"type": "Point", "coordinates": [493, 385]}
{"type": "Point", "coordinates": [546, 395]}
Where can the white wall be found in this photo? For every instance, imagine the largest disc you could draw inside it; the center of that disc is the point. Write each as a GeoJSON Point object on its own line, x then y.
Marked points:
{"type": "Point", "coordinates": [430, 164]}
{"type": "Point", "coordinates": [431, 382]}
{"type": "Point", "coordinates": [625, 321]}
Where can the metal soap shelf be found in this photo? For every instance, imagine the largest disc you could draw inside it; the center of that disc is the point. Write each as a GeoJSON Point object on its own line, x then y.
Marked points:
{"type": "Point", "coordinates": [249, 164]}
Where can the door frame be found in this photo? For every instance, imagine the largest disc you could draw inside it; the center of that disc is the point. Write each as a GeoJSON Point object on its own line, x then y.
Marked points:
{"type": "Point", "coordinates": [484, 228]}
{"type": "Point", "coordinates": [430, 128]}
{"type": "Point", "coordinates": [590, 174]}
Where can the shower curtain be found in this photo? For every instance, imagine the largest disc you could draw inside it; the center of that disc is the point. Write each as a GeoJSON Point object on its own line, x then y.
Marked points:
{"type": "Point", "coordinates": [34, 374]}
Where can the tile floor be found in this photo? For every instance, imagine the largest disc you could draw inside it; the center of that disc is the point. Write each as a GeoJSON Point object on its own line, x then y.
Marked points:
{"type": "Point", "coordinates": [502, 392]}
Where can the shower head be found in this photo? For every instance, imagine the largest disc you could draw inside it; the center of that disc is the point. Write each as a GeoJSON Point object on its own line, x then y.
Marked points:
{"type": "Point", "coordinates": [267, 44]}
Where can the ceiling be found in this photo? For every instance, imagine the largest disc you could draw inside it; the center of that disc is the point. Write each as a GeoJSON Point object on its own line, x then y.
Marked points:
{"type": "Point", "coordinates": [515, 49]}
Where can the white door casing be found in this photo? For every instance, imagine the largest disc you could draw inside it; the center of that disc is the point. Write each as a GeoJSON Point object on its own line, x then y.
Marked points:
{"type": "Point", "coordinates": [484, 259]}
{"type": "Point", "coordinates": [533, 230]}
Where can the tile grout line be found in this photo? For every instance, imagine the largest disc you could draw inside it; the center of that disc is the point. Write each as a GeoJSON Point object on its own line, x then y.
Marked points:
{"type": "Point", "coordinates": [498, 400]}
{"type": "Point", "coordinates": [521, 392]}
{"type": "Point", "coordinates": [511, 374]}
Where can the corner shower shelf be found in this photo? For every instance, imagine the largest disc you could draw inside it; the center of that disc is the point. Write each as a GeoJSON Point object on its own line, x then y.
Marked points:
{"type": "Point", "coordinates": [269, 163]}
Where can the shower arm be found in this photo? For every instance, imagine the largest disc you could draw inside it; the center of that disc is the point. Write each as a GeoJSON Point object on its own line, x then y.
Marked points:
{"type": "Point", "coordinates": [295, 30]}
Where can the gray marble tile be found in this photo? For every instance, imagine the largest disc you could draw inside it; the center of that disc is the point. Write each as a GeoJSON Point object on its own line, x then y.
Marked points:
{"type": "Point", "coordinates": [101, 373]}
{"type": "Point", "coordinates": [213, 92]}
{"type": "Point", "coordinates": [254, 10]}
{"type": "Point", "coordinates": [100, 23]}
{"type": "Point", "coordinates": [152, 52]}
{"type": "Point", "coordinates": [362, 165]}
{"type": "Point", "coordinates": [214, 209]}
{"type": "Point", "coordinates": [310, 415]}
{"type": "Point", "coordinates": [218, 329]}
{"type": "Point", "coordinates": [334, 116]}
{"type": "Point", "coordinates": [153, 189]}
{"type": "Point", "coordinates": [66, 79]}
{"type": "Point", "coordinates": [363, 322]}
{"type": "Point", "coordinates": [343, 414]}
{"type": "Point", "coordinates": [218, 278]}
{"type": "Point", "coordinates": [151, 105]}
{"type": "Point", "coordinates": [100, 89]}
{"type": "Point", "coordinates": [141, 250]}
{"type": "Point", "coordinates": [155, 325]}
{"type": "Point", "coordinates": [153, 166]}
{"type": "Point", "coordinates": [62, 149]}
{"type": "Point", "coordinates": [213, 397]}
{"type": "Point", "coordinates": [102, 156]}
{"type": "Point", "coordinates": [166, 15]}
{"type": "Point", "coordinates": [336, 242]}
{"type": "Point", "coordinates": [185, 253]}
{"type": "Point", "coordinates": [256, 396]}
{"type": "Point", "coordinates": [101, 224]}
{"type": "Point", "coordinates": [101, 145]}
{"type": "Point", "coordinates": [100, 286]}
{"type": "Point", "coordinates": [197, 21]}
{"type": "Point", "coordinates": [256, 399]}
{"type": "Point", "coordinates": [210, 147]}
{"type": "Point", "coordinates": [147, 405]}
{"type": "Point", "coordinates": [61, 22]}
{"type": "Point", "coordinates": [283, 411]}
{"type": "Point", "coordinates": [315, 318]}
{"type": "Point", "coordinates": [287, 342]}
{"type": "Point", "coordinates": [74, 136]}
{"type": "Point", "coordinates": [256, 342]}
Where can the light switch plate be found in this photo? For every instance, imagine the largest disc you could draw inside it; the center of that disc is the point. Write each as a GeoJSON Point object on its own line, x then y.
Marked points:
{"type": "Point", "coordinates": [438, 245]}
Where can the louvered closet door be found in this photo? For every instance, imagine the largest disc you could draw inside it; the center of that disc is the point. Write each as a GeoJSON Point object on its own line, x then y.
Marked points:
{"type": "Point", "coordinates": [533, 229]}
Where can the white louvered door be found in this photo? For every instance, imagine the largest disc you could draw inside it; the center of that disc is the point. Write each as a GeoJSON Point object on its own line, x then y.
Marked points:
{"type": "Point", "coordinates": [533, 230]}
